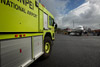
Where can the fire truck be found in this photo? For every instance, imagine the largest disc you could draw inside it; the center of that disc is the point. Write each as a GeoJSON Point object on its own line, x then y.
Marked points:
{"type": "Point", "coordinates": [26, 32]}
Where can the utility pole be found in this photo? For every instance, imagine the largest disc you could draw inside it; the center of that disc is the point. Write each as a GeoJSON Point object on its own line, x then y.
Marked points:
{"type": "Point", "coordinates": [73, 24]}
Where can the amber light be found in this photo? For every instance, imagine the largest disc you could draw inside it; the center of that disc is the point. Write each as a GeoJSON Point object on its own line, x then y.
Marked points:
{"type": "Point", "coordinates": [24, 35]}
{"type": "Point", "coordinates": [43, 5]}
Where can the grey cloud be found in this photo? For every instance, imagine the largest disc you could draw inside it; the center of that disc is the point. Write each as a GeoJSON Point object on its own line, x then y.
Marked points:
{"type": "Point", "coordinates": [90, 17]}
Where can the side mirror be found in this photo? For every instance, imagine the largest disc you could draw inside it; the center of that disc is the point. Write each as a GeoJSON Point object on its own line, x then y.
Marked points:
{"type": "Point", "coordinates": [55, 26]}
{"type": "Point", "coordinates": [53, 23]}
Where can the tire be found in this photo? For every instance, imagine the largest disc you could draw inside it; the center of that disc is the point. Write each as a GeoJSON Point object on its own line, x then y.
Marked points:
{"type": "Point", "coordinates": [80, 34]}
{"type": "Point", "coordinates": [98, 34]}
{"type": "Point", "coordinates": [47, 47]}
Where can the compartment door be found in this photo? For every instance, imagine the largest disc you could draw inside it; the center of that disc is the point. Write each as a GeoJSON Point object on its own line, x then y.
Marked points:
{"type": "Point", "coordinates": [15, 52]}
{"type": "Point", "coordinates": [38, 46]}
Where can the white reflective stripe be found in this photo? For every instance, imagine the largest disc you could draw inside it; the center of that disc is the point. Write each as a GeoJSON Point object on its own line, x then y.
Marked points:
{"type": "Point", "coordinates": [38, 55]}
{"type": "Point", "coordinates": [27, 63]}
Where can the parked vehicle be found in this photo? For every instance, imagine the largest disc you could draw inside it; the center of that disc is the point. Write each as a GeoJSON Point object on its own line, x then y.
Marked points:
{"type": "Point", "coordinates": [72, 34]}
{"type": "Point", "coordinates": [79, 30]}
{"type": "Point", "coordinates": [96, 32]}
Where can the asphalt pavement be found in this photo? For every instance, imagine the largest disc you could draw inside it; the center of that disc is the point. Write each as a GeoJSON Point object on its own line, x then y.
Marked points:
{"type": "Point", "coordinates": [73, 51]}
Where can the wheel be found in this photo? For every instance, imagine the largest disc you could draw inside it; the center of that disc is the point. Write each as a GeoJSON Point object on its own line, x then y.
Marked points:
{"type": "Point", "coordinates": [47, 47]}
{"type": "Point", "coordinates": [80, 34]}
{"type": "Point", "coordinates": [98, 34]}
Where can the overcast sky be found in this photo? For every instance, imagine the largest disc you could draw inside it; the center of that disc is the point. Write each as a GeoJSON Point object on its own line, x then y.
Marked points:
{"type": "Point", "coordinates": [81, 12]}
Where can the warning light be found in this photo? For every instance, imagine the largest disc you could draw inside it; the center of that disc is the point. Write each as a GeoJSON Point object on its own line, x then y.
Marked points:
{"type": "Point", "coordinates": [20, 35]}
{"type": "Point", "coordinates": [16, 35]}
{"type": "Point", "coordinates": [24, 35]}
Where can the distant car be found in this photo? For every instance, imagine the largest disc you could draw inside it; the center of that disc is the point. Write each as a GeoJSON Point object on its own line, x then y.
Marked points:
{"type": "Point", "coordinates": [72, 34]}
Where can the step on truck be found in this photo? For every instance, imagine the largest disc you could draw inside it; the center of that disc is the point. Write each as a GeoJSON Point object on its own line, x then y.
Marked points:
{"type": "Point", "coordinates": [26, 32]}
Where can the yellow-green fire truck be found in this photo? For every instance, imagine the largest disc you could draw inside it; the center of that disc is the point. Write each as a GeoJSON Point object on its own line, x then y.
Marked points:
{"type": "Point", "coordinates": [26, 32]}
